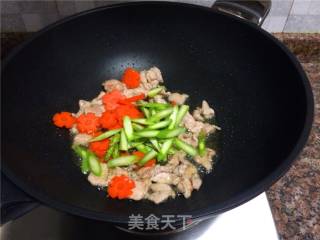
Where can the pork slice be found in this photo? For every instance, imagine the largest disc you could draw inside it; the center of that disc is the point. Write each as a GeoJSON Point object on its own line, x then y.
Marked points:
{"type": "Point", "coordinates": [185, 187]}
{"type": "Point", "coordinates": [185, 169]}
{"type": "Point", "coordinates": [89, 107]}
{"type": "Point", "coordinates": [158, 197]}
{"type": "Point", "coordinates": [140, 190]}
{"type": "Point", "coordinates": [175, 159]}
{"type": "Point", "coordinates": [206, 160]}
{"type": "Point", "coordinates": [209, 128]}
{"type": "Point", "coordinates": [134, 91]}
{"type": "Point", "coordinates": [154, 74]}
{"type": "Point", "coordinates": [150, 78]}
{"type": "Point", "coordinates": [159, 99]}
{"type": "Point", "coordinates": [145, 172]}
{"type": "Point", "coordinates": [166, 168]}
{"type": "Point", "coordinates": [186, 175]}
{"type": "Point", "coordinates": [163, 177]}
{"type": "Point", "coordinates": [113, 84]}
{"type": "Point", "coordinates": [117, 171]}
{"type": "Point", "coordinates": [160, 187]}
{"type": "Point", "coordinates": [189, 138]}
{"type": "Point", "coordinates": [207, 111]}
{"type": "Point", "coordinates": [149, 172]}
{"type": "Point", "coordinates": [203, 113]}
{"type": "Point", "coordinates": [82, 139]}
{"type": "Point", "coordinates": [101, 181]}
{"type": "Point", "coordinates": [160, 192]}
{"type": "Point", "coordinates": [190, 170]}
{"type": "Point", "coordinates": [196, 181]}
{"type": "Point", "coordinates": [197, 115]}
{"type": "Point", "coordinates": [173, 162]}
{"type": "Point", "coordinates": [191, 124]}
{"type": "Point", "coordinates": [179, 170]}
{"type": "Point", "coordinates": [74, 129]}
{"type": "Point", "coordinates": [178, 98]}
{"type": "Point", "coordinates": [98, 99]}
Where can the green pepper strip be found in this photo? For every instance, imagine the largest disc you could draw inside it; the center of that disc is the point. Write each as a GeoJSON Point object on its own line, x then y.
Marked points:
{"type": "Point", "coordinates": [122, 161]}
{"type": "Point", "coordinates": [112, 147]}
{"type": "Point", "coordinates": [143, 148]}
{"type": "Point", "coordinates": [155, 91]}
{"type": "Point", "coordinates": [147, 133]}
{"type": "Point", "coordinates": [153, 112]}
{"type": "Point", "coordinates": [146, 112]}
{"type": "Point", "coordinates": [155, 143]}
{"type": "Point", "coordinates": [162, 156]}
{"type": "Point", "coordinates": [202, 144]}
{"type": "Point", "coordinates": [159, 106]}
{"type": "Point", "coordinates": [116, 153]}
{"type": "Point", "coordinates": [137, 127]}
{"type": "Point", "coordinates": [105, 135]}
{"type": "Point", "coordinates": [94, 164]}
{"type": "Point", "coordinates": [160, 115]}
{"type": "Point", "coordinates": [123, 141]}
{"type": "Point", "coordinates": [161, 124]}
{"type": "Point", "coordinates": [142, 121]}
{"type": "Point", "coordinates": [167, 133]}
{"type": "Point", "coordinates": [82, 153]}
{"type": "Point", "coordinates": [181, 113]}
{"type": "Point", "coordinates": [185, 147]}
{"type": "Point", "coordinates": [151, 154]}
{"type": "Point", "coordinates": [172, 151]}
{"type": "Point", "coordinates": [128, 128]}
{"type": "Point", "coordinates": [173, 117]}
{"type": "Point", "coordinates": [109, 152]}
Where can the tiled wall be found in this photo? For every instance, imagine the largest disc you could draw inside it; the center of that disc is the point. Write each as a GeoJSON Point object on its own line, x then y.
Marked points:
{"type": "Point", "coordinates": [294, 16]}
{"type": "Point", "coordinates": [19, 16]}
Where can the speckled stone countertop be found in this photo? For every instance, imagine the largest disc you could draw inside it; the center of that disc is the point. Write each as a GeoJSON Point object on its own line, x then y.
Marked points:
{"type": "Point", "coordinates": [295, 198]}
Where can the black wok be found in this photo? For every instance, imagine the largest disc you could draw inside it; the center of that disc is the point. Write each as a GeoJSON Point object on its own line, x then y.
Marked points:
{"type": "Point", "coordinates": [260, 93]}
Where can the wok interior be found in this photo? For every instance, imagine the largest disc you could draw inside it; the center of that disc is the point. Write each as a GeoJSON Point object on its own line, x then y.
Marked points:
{"type": "Point", "coordinates": [255, 90]}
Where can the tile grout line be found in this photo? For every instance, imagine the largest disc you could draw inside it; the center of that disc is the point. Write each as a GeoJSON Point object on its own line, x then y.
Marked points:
{"type": "Point", "coordinates": [285, 24]}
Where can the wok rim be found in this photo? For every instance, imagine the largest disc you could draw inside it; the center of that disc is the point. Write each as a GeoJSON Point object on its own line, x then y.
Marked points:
{"type": "Point", "coordinates": [210, 211]}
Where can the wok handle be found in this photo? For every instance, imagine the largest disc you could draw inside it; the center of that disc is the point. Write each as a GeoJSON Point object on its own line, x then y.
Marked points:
{"type": "Point", "coordinates": [14, 202]}
{"type": "Point", "coordinates": [252, 11]}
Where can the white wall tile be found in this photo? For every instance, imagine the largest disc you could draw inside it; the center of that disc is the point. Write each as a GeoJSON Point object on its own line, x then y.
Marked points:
{"type": "Point", "coordinates": [266, 23]}
{"type": "Point", "coordinates": [303, 23]}
{"type": "Point", "coordinates": [32, 21]}
{"type": "Point", "coordinates": [277, 17]}
{"type": "Point", "coordinates": [12, 23]}
{"type": "Point", "coordinates": [19, 15]}
{"type": "Point", "coordinates": [50, 18]}
{"type": "Point", "coordinates": [314, 8]}
{"type": "Point", "coordinates": [66, 8]}
{"type": "Point", "coordinates": [83, 5]}
{"type": "Point", "coordinates": [35, 21]}
{"type": "Point", "coordinates": [280, 7]}
{"type": "Point", "coordinates": [9, 7]}
{"type": "Point", "coordinates": [300, 7]}
{"type": "Point", "coordinates": [37, 6]}
{"type": "Point", "coordinates": [276, 23]}
{"type": "Point", "coordinates": [101, 3]}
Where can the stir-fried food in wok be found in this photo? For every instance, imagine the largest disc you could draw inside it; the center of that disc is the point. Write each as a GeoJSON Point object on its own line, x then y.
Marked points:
{"type": "Point", "coordinates": [140, 141]}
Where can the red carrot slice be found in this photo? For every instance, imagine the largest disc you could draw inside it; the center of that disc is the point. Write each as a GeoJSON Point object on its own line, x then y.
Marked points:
{"type": "Point", "coordinates": [131, 78]}
{"type": "Point", "coordinates": [64, 119]}
{"type": "Point", "coordinates": [88, 123]}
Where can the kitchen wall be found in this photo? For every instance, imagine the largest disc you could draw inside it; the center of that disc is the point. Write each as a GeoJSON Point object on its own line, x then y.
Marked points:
{"type": "Point", "coordinates": [20, 16]}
